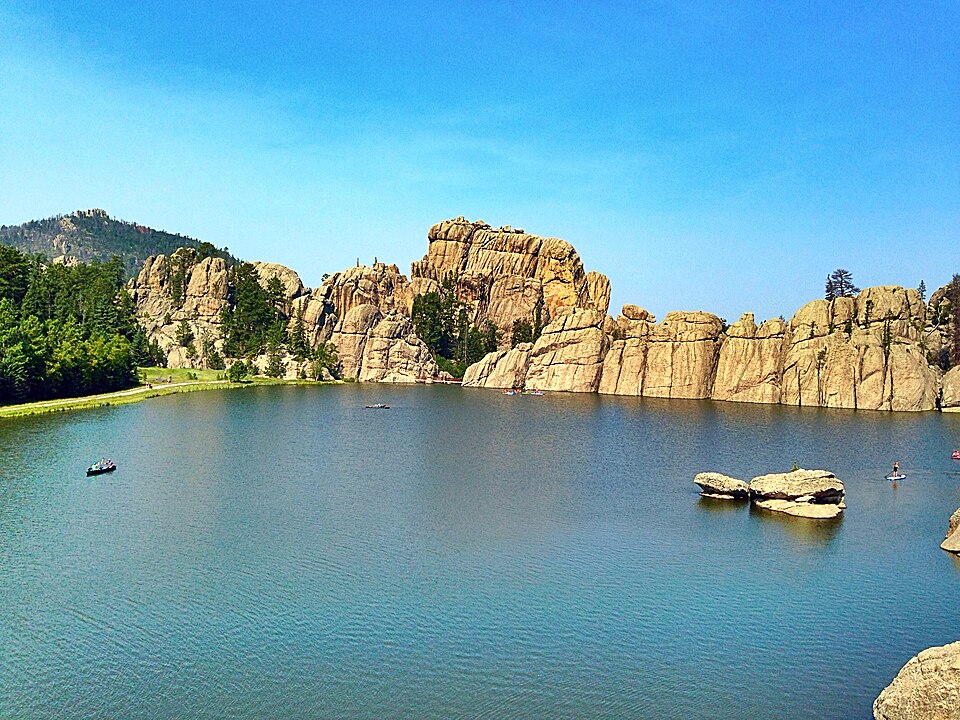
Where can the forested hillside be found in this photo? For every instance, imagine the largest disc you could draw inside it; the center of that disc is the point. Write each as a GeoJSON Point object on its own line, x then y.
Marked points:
{"type": "Point", "coordinates": [67, 330]}
{"type": "Point", "coordinates": [88, 235]}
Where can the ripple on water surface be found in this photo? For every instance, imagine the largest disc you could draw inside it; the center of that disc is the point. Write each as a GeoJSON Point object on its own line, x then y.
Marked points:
{"type": "Point", "coordinates": [280, 552]}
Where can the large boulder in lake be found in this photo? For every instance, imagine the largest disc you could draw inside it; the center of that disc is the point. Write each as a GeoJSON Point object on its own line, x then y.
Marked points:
{"type": "Point", "coordinates": [801, 508]}
{"type": "Point", "coordinates": [927, 688]}
{"type": "Point", "coordinates": [724, 487]}
{"type": "Point", "coordinates": [817, 486]}
{"type": "Point", "coordinates": [952, 541]}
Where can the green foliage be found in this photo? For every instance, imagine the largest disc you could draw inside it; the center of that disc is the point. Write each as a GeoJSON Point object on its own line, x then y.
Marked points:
{"type": "Point", "coordinates": [840, 284]}
{"type": "Point", "coordinates": [237, 372]}
{"type": "Point", "coordinates": [325, 357]}
{"type": "Point", "coordinates": [250, 314]}
{"type": "Point", "coordinates": [66, 330]}
{"type": "Point", "coordinates": [441, 320]}
{"type": "Point", "coordinates": [95, 236]}
{"type": "Point", "coordinates": [184, 334]}
{"type": "Point", "coordinates": [275, 366]}
{"type": "Point", "coordinates": [522, 332]}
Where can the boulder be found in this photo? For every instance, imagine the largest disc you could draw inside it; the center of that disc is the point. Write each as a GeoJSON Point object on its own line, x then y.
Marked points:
{"type": "Point", "coordinates": [821, 485]}
{"type": "Point", "coordinates": [292, 285]}
{"type": "Point", "coordinates": [813, 511]}
{"type": "Point", "coordinates": [952, 541]}
{"type": "Point", "coordinates": [715, 485]}
{"type": "Point", "coordinates": [926, 688]}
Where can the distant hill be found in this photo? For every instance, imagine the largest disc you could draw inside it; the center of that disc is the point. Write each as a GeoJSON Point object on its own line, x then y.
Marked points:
{"type": "Point", "coordinates": [93, 235]}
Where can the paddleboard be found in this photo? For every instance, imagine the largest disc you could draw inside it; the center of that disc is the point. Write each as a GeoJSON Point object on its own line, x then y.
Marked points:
{"type": "Point", "coordinates": [896, 477]}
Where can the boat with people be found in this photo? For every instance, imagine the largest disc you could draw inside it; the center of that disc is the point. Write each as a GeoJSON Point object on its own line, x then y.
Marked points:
{"type": "Point", "coordinates": [509, 392]}
{"type": "Point", "coordinates": [378, 406]}
{"type": "Point", "coordinates": [101, 466]}
{"type": "Point", "coordinates": [956, 455]}
{"type": "Point", "coordinates": [533, 392]}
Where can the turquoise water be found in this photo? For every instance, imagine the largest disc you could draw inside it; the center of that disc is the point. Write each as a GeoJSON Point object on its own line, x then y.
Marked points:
{"type": "Point", "coordinates": [281, 552]}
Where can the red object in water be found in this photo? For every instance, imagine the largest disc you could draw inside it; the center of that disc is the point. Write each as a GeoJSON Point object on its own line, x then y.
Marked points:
{"type": "Point", "coordinates": [956, 455]}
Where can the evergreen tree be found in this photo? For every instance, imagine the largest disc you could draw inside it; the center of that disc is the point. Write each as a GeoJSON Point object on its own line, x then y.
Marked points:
{"type": "Point", "coordinates": [840, 284]}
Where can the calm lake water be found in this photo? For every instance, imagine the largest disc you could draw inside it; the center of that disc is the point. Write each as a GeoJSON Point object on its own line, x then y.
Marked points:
{"type": "Point", "coordinates": [280, 552]}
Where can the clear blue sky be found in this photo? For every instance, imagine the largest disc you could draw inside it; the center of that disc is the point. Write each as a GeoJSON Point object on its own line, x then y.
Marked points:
{"type": "Point", "coordinates": [714, 156]}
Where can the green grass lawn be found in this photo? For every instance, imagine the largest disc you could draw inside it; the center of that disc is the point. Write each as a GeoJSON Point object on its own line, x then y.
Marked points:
{"type": "Point", "coordinates": [156, 385]}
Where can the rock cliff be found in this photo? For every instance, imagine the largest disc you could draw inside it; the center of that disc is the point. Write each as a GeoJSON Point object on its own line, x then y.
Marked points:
{"type": "Point", "coordinates": [926, 688]}
{"type": "Point", "coordinates": [875, 351]}
{"type": "Point", "coordinates": [505, 274]}
{"type": "Point", "coordinates": [674, 359]}
{"type": "Point", "coordinates": [566, 357]}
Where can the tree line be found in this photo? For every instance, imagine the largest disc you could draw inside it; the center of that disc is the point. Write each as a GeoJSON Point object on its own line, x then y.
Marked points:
{"type": "Point", "coordinates": [67, 330]}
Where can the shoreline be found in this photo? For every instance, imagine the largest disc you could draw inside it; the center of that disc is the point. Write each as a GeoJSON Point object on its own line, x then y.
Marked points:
{"type": "Point", "coordinates": [140, 393]}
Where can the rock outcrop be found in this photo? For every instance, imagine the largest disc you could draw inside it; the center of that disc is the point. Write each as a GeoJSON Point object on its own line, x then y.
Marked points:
{"type": "Point", "coordinates": [950, 399]}
{"type": "Point", "coordinates": [951, 542]}
{"type": "Point", "coordinates": [722, 487]}
{"type": "Point", "coordinates": [566, 357]}
{"type": "Point", "coordinates": [181, 287]}
{"type": "Point", "coordinates": [505, 274]}
{"type": "Point", "coordinates": [926, 688]}
{"type": "Point", "coordinates": [814, 494]}
{"type": "Point", "coordinates": [862, 353]}
{"type": "Point", "coordinates": [504, 369]}
{"type": "Point", "coordinates": [822, 486]}
{"type": "Point", "coordinates": [750, 368]}
{"type": "Point", "coordinates": [675, 359]}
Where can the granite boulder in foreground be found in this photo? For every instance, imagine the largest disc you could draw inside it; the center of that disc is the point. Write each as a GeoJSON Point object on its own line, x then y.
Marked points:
{"type": "Point", "coordinates": [722, 487]}
{"type": "Point", "coordinates": [952, 541]}
{"type": "Point", "coordinates": [927, 688]}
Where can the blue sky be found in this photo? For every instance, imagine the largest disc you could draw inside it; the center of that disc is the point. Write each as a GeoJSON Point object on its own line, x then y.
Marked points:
{"type": "Point", "coordinates": [713, 156]}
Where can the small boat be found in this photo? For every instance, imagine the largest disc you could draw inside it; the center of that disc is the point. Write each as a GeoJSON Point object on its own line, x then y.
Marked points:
{"type": "Point", "coordinates": [956, 455]}
{"type": "Point", "coordinates": [378, 406]}
{"type": "Point", "coordinates": [100, 467]}
{"type": "Point", "coordinates": [509, 392]}
{"type": "Point", "coordinates": [894, 478]}
{"type": "Point", "coordinates": [534, 392]}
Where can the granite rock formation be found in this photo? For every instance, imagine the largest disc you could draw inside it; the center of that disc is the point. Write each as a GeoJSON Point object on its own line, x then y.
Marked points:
{"type": "Point", "coordinates": [750, 367]}
{"type": "Point", "coordinates": [814, 494]}
{"type": "Point", "coordinates": [674, 359]}
{"type": "Point", "coordinates": [926, 688]}
{"type": "Point", "coordinates": [505, 274]}
{"type": "Point", "coordinates": [566, 356]}
{"type": "Point", "coordinates": [724, 487]}
{"type": "Point", "coordinates": [951, 542]}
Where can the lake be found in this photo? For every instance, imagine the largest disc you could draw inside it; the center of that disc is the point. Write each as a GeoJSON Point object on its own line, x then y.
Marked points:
{"type": "Point", "coordinates": [281, 552]}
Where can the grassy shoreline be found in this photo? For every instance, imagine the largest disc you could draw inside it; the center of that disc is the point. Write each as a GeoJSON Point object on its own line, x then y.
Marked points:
{"type": "Point", "coordinates": [156, 385]}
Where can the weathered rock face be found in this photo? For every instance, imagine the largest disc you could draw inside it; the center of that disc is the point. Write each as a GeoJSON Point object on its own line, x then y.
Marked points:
{"type": "Point", "coordinates": [750, 368]}
{"type": "Point", "coordinates": [675, 359]}
{"type": "Point", "coordinates": [813, 511]}
{"type": "Point", "coordinates": [952, 541]}
{"type": "Point", "coordinates": [715, 485]}
{"type": "Point", "coordinates": [506, 274]}
{"type": "Point", "coordinates": [505, 369]}
{"type": "Point", "coordinates": [168, 290]}
{"type": "Point", "coordinates": [374, 347]}
{"type": "Point", "coordinates": [566, 357]}
{"type": "Point", "coordinates": [861, 353]}
{"type": "Point", "coordinates": [381, 285]}
{"type": "Point", "coordinates": [568, 354]}
{"type": "Point", "coordinates": [926, 688]}
{"type": "Point", "coordinates": [951, 388]}
{"type": "Point", "coordinates": [393, 353]}
{"type": "Point", "coordinates": [819, 486]}
{"type": "Point", "coordinates": [292, 285]}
